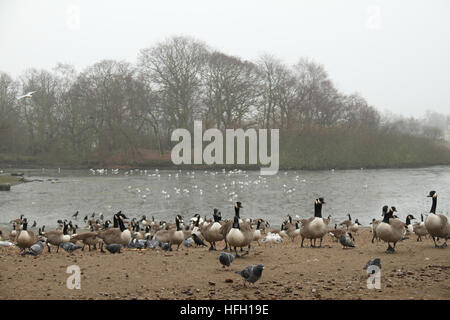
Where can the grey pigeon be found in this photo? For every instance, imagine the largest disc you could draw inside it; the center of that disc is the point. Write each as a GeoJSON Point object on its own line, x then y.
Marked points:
{"type": "Point", "coordinates": [114, 248]}
{"type": "Point", "coordinates": [226, 258]}
{"type": "Point", "coordinates": [138, 244]}
{"type": "Point", "coordinates": [347, 242]}
{"type": "Point", "coordinates": [35, 249]}
{"type": "Point", "coordinates": [165, 246]}
{"type": "Point", "coordinates": [151, 243]}
{"type": "Point", "coordinates": [69, 246]}
{"type": "Point", "coordinates": [188, 242]}
{"type": "Point", "coordinates": [373, 262]}
{"type": "Point", "coordinates": [251, 273]}
{"type": "Point", "coordinates": [197, 240]}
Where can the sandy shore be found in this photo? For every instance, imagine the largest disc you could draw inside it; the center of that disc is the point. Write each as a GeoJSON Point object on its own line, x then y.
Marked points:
{"type": "Point", "coordinates": [415, 271]}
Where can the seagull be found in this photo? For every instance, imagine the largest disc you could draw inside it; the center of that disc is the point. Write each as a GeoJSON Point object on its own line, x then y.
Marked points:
{"type": "Point", "coordinates": [114, 248]}
{"type": "Point", "coordinates": [251, 273]}
{"type": "Point", "coordinates": [346, 241]}
{"type": "Point", "coordinates": [27, 95]}
{"type": "Point", "coordinates": [226, 258]}
{"type": "Point", "coordinates": [35, 249]}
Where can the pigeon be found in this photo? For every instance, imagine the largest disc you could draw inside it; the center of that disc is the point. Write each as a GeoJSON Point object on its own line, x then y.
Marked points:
{"type": "Point", "coordinates": [251, 273]}
{"type": "Point", "coordinates": [138, 244]}
{"type": "Point", "coordinates": [75, 215]}
{"type": "Point", "coordinates": [373, 262]}
{"type": "Point", "coordinates": [165, 246]}
{"type": "Point", "coordinates": [151, 244]}
{"type": "Point", "coordinates": [27, 95]}
{"type": "Point", "coordinates": [69, 246]}
{"type": "Point", "coordinates": [114, 248]}
{"type": "Point", "coordinates": [346, 241]}
{"type": "Point", "coordinates": [197, 240]}
{"type": "Point", "coordinates": [35, 249]}
{"type": "Point", "coordinates": [226, 258]}
{"type": "Point", "coordinates": [188, 242]}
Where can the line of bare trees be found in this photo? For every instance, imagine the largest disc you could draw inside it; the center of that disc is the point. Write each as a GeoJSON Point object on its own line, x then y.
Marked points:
{"type": "Point", "coordinates": [116, 107]}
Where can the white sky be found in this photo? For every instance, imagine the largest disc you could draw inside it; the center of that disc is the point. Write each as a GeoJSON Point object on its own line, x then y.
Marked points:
{"type": "Point", "coordinates": [396, 54]}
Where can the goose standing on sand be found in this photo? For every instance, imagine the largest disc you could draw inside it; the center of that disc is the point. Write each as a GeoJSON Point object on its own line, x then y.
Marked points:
{"type": "Point", "coordinates": [172, 236]}
{"type": "Point", "coordinates": [354, 226]}
{"type": "Point", "coordinates": [347, 223]}
{"type": "Point", "coordinates": [419, 229]}
{"type": "Point", "coordinates": [408, 226]}
{"type": "Point", "coordinates": [226, 227]}
{"type": "Point", "coordinates": [315, 227]}
{"type": "Point", "coordinates": [121, 235]}
{"type": "Point", "coordinates": [240, 234]}
{"type": "Point", "coordinates": [56, 237]}
{"type": "Point", "coordinates": [390, 229]}
{"type": "Point", "coordinates": [25, 238]}
{"type": "Point", "coordinates": [437, 224]}
{"type": "Point", "coordinates": [374, 224]}
{"type": "Point", "coordinates": [211, 232]}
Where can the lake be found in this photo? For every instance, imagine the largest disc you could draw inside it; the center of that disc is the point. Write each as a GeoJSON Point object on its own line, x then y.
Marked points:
{"type": "Point", "coordinates": [165, 193]}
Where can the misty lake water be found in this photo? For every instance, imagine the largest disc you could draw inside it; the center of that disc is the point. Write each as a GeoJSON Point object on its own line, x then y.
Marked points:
{"type": "Point", "coordinates": [164, 193]}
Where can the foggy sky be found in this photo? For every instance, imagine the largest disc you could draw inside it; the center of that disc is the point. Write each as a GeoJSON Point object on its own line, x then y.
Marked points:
{"type": "Point", "coordinates": [396, 54]}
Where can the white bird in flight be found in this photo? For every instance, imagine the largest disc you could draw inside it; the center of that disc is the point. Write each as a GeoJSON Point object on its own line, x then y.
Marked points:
{"type": "Point", "coordinates": [28, 95]}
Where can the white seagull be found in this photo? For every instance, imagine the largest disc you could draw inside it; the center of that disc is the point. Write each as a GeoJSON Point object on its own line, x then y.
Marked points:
{"type": "Point", "coordinates": [28, 95]}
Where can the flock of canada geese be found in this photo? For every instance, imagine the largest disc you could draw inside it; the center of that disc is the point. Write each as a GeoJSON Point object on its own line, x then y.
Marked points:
{"type": "Point", "coordinates": [237, 233]}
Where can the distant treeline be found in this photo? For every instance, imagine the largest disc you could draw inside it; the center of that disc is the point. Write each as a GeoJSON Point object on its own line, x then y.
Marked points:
{"type": "Point", "coordinates": [114, 112]}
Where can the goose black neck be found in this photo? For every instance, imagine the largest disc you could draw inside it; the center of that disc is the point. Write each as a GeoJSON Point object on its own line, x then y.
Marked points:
{"type": "Point", "coordinates": [318, 210]}
{"type": "Point", "coordinates": [121, 225]}
{"type": "Point", "coordinates": [65, 228]}
{"type": "Point", "coordinates": [387, 216]}
{"type": "Point", "coordinates": [433, 206]}
{"type": "Point", "coordinates": [258, 225]}
{"type": "Point", "coordinates": [236, 222]}
{"type": "Point", "coordinates": [116, 224]}
{"type": "Point", "coordinates": [236, 211]}
{"type": "Point", "coordinates": [177, 222]}
{"type": "Point", "coordinates": [24, 227]}
{"type": "Point", "coordinates": [408, 221]}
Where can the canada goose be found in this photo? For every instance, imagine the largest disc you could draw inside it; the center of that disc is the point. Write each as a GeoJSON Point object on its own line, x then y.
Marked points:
{"type": "Point", "coordinates": [18, 221]}
{"type": "Point", "coordinates": [211, 231]}
{"type": "Point", "coordinates": [121, 235]}
{"type": "Point", "coordinates": [13, 233]}
{"type": "Point", "coordinates": [1, 236]}
{"type": "Point", "coordinates": [226, 227]}
{"type": "Point", "coordinates": [75, 215]}
{"type": "Point", "coordinates": [420, 229]}
{"type": "Point", "coordinates": [347, 223]}
{"type": "Point", "coordinates": [315, 227]}
{"type": "Point", "coordinates": [25, 238]}
{"type": "Point", "coordinates": [240, 235]}
{"type": "Point", "coordinates": [374, 224]}
{"type": "Point", "coordinates": [172, 236]}
{"type": "Point", "coordinates": [88, 239]}
{"type": "Point", "coordinates": [293, 231]}
{"type": "Point", "coordinates": [408, 225]}
{"type": "Point", "coordinates": [56, 237]}
{"type": "Point", "coordinates": [336, 232]}
{"type": "Point", "coordinates": [257, 234]}
{"type": "Point", "coordinates": [390, 229]}
{"type": "Point", "coordinates": [354, 227]}
{"type": "Point", "coordinates": [437, 224]}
